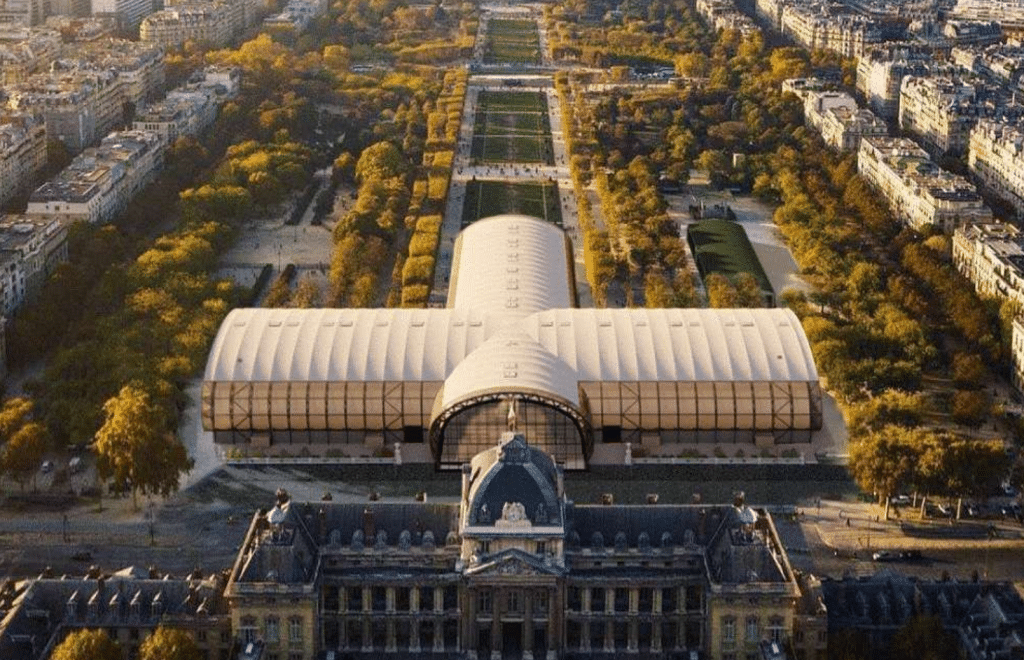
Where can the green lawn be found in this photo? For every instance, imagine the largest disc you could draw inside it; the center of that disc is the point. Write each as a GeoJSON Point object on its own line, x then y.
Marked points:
{"type": "Point", "coordinates": [512, 127]}
{"type": "Point", "coordinates": [495, 101]}
{"type": "Point", "coordinates": [512, 149]}
{"type": "Point", "coordinates": [512, 42]}
{"type": "Point", "coordinates": [487, 198]}
{"type": "Point", "coordinates": [510, 123]}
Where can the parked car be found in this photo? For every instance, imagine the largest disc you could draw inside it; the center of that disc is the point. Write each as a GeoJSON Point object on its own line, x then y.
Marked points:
{"type": "Point", "coordinates": [901, 500]}
{"type": "Point", "coordinates": [885, 555]}
{"type": "Point", "coordinates": [46, 467]}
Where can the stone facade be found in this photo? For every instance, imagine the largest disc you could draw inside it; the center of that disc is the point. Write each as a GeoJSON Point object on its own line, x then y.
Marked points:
{"type": "Point", "coordinates": [22, 153]}
{"type": "Point", "coordinates": [996, 157]}
{"type": "Point", "coordinates": [513, 570]}
{"type": "Point", "coordinates": [918, 192]}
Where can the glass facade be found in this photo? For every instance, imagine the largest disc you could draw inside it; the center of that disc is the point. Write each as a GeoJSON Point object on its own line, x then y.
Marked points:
{"type": "Point", "coordinates": [477, 427]}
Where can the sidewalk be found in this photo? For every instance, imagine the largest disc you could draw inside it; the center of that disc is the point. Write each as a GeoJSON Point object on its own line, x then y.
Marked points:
{"type": "Point", "coordinates": [864, 533]}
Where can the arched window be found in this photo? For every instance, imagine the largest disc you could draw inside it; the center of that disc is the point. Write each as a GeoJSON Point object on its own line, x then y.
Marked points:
{"type": "Point", "coordinates": [247, 629]}
{"type": "Point", "coordinates": [752, 633]}
{"type": "Point", "coordinates": [272, 630]}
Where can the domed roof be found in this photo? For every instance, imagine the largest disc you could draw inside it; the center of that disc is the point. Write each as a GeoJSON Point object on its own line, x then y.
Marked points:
{"type": "Point", "coordinates": [513, 473]}
{"type": "Point", "coordinates": [509, 362]}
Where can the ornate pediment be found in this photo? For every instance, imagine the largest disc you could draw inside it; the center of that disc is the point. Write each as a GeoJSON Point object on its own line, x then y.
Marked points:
{"type": "Point", "coordinates": [512, 562]}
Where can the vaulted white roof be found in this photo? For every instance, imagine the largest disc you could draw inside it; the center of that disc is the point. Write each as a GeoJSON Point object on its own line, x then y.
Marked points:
{"type": "Point", "coordinates": [511, 326]}
{"type": "Point", "coordinates": [429, 344]}
{"type": "Point", "coordinates": [511, 264]}
{"type": "Point", "coordinates": [511, 361]}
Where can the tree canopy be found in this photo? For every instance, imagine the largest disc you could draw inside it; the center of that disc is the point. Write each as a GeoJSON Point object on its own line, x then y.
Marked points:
{"type": "Point", "coordinates": [169, 644]}
{"type": "Point", "coordinates": [87, 645]}
{"type": "Point", "coordinates": [135, 447]}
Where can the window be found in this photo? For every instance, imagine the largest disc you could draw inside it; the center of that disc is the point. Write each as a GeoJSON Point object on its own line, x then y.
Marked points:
{"type": "Point", "coordinates": [426, 599]}
{"type": "Point", "coordinates": [295, 656]}
{"type": "Point", "coordinates": [295, 629]}
{"type": "Point", "coordinates": [776, 629]}
{"type": "Point", "coordinates": [483, 601]}
{"type": "Point", "coordinates": [540, 601]}
{"type": "Point", "coordinates": [597, 600]}
{"type": "Point", "coordinates": [201, 636]}
{"type": "Point", "coordinates": [354, 595]}
{"type": "Point", "coordinates": [247, 630]}
{"type": "Point", "coordinates": [401, 599]}
{"type": "Point", "coordinates": [621, 600]}
{"type": "Point", "coordinates": [646, 600]}
{"type": "Point", "coordinates": [728, 631]}
{"type": "Point", "coordinates": [542, 548]}
{"type": "Point", "coordinates": [752, 634]}
{"type": "Point", "coordinates": [668, 599]}
{"type": "Point", "coordinates": [515, 601]}
{"type": "Point", "coordinates": [574, 599]}
{"type": "Point", "coordinates": [483, 547]}
{"type": "Point", "coordinates": [273, 630]}
{"type": "Point", "coordinates": [379, 596]}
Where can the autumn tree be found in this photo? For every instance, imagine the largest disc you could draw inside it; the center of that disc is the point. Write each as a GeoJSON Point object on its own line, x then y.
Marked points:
{"type": "Point", "coordinates": [24, 451]}
{"type": "Point", "coordinates": [87, 645]}
{"type": "Point", "coordinates": [883, 462]}
{"type": "Point", "coordinates": [13, 415]}
{"type": "Point", "coordinates": [169, 644]}
{"type": "Point", "coordinates": [135, 448]}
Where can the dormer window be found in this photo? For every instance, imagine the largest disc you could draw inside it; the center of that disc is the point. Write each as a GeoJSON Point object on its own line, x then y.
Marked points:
{"type": "Point", "coordinates": [542, 548]}
{"type": "Point", "coordinates": [483, 547]}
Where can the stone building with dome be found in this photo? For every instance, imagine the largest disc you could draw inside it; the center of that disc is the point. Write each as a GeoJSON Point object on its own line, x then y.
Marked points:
{"type": "Point", "coordinates": [515, 569]}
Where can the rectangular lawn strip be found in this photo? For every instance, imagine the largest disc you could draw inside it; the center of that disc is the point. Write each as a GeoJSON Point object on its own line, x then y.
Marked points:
{"type": "Point", "coordinates": [497, 101]}
{"type": "Point", "coordinates": [487, 198]}
{"type": "Point", "coordinates": [512, 42]}
{"type": "Point", "coordinates": [514, 123]}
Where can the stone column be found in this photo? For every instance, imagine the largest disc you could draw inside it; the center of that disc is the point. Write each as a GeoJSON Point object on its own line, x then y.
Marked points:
{"type": "Point", "coordinates": [390, 644]}
{"type": "Point", "coordinates": [414, 629]}
{"type": "Point", "coordinates": [656, 632]}
{"type": "Point", "coordinates": [554, 644]}
{"type": "Point", "coordinates": [634, 600]}
{"type": "Point", "coordinates": [438, 599]}
{"type": "Point", "coordinates": [633, 628]}
{"type": "Point", "coordinates": [527, 634]}
{"type": "Point", "coordinates": [367, 635]}
{"type": "Point", "coordinates": [656, 601]}
{"type": "Point", "coordinates": [609, 635]}
{"type": "Point", "coordinates": [496, 632]}
{"type": "Point", "coordinates": [585, 636]}
{"type": "Point", "coordinates": [585, 599]}
{"type": "Point", "coordinates": [609, 601]}
{"type": "Point", "coordinates": [438, 632]}
{"type": "Point", "coordinates": [414, 598]}
{"type": "Point", "coordinates": [389, 599]}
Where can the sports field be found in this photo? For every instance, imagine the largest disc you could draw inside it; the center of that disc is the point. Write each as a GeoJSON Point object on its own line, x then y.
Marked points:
{"type": "Point", "coordinates": [512, 127]}
{"type": "Point", "coordinates": [512, 42]}
{"type": "Point", "coordinates": [487, 198]}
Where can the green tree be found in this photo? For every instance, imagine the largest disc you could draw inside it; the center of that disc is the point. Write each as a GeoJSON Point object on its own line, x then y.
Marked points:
{"type": "Point", "coordinates": [135, 448]}
{"type": "Point", "coordinates": [87, 645]}
{"type": "Point", "coordinates": [169, 644]}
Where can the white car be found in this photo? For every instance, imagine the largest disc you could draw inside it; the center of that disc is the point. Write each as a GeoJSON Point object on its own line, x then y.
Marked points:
{"type": "Point", "coordinates": [901, 500]}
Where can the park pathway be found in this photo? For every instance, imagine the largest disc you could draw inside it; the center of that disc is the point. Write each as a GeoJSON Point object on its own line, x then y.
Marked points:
{"type": "Point", "coordinates": [465, 170]}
